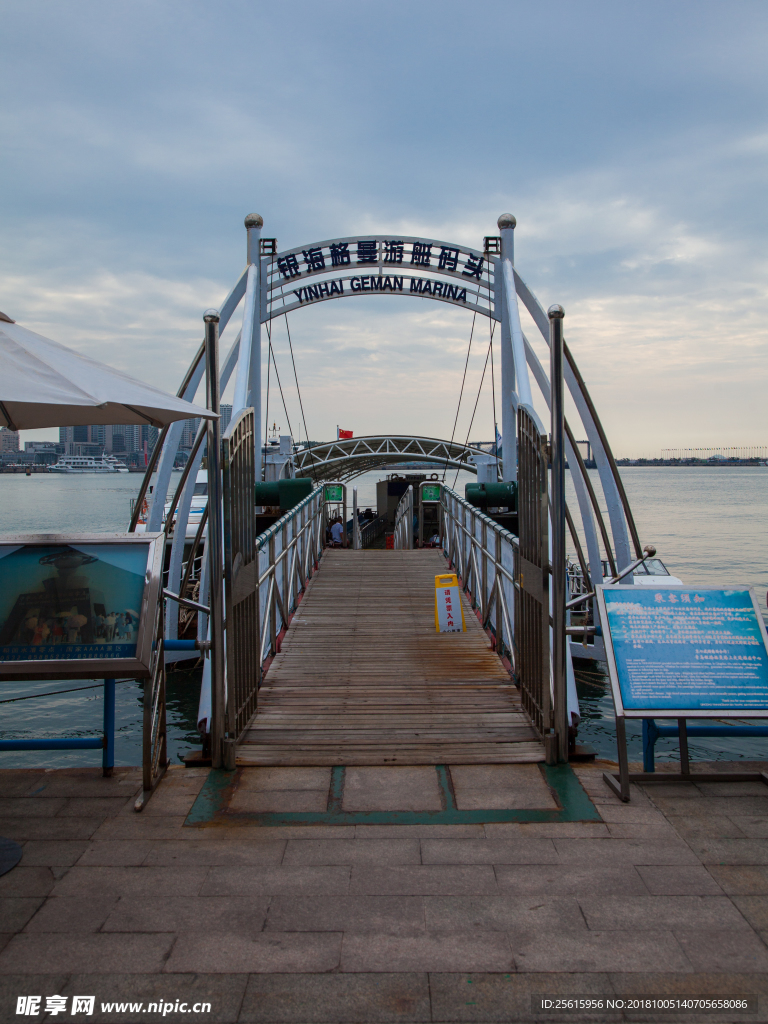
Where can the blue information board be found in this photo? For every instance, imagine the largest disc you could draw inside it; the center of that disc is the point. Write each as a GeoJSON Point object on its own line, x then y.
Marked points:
{"type": "Point", "coordinates": [679, 652]}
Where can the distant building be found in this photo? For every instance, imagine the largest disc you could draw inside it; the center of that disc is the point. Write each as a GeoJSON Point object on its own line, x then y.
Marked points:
{"type": "Point", "coordinates": [226, 416]}
{"type": "Point", "coordinates": [9, 440]}
{"type": "Point", "coordinates": [189, 433]}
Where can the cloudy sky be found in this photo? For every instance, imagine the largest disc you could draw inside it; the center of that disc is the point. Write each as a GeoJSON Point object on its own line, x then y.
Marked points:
{"type": "Point", "coordinates": [630, 141]}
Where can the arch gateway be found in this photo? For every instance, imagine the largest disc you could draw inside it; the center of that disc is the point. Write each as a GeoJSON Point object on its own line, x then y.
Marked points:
{"type": "Point", "coordinates": [484, 280]}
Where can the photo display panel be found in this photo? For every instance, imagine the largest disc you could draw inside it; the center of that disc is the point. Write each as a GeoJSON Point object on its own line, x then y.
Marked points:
{"type": "Point", "coordinates": [73, 602]}
{"type": "Point", "coordinates": [701, 652]}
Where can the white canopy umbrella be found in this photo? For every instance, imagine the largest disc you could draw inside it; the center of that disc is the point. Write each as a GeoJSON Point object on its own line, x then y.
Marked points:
{"type": "Point", "coordinates": [45, 384]}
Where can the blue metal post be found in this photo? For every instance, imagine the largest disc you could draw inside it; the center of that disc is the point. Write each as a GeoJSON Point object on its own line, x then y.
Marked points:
{"type": "Point", "coordinates": [108, 757]}
{"type": "Point", "coordinates": [650, 735]}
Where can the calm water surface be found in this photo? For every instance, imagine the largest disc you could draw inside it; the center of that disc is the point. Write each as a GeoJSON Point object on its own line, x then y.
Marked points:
{"type": "Point", "coordinates": [709, 527]}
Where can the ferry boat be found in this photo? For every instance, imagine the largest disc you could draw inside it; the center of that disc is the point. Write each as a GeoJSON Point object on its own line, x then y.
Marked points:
{"type": "Point", "coordinates": [197, 507]}
{"type": "Point", "coordinates": [88, 464]}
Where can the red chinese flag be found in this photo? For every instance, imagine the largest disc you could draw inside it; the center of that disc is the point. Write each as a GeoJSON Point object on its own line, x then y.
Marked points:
{"type": "Point", "coordinates": [345, 434]}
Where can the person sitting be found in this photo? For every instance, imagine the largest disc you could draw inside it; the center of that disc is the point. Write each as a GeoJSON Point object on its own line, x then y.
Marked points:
{"type": "Point", "coordinates": [337, 534]}
{"type": "Point", "coordinates": [434, 540]}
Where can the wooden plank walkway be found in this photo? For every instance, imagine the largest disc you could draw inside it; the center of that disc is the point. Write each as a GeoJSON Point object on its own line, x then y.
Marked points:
{"type": "Point", "coordinates": [363, 678]}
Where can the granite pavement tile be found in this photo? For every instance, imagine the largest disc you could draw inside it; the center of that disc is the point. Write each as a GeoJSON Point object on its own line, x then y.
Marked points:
{"type": "Point", "coordinates": [235, 829]}
{"type": "Point", "coordinates": [739, 806]}
{"type": "Point", "coordinates": [228, 852]}
{"type": "Point", "coordinates": [264, 779]}
{"type": "Point", "coordinates": [447, 951]}
{"type": "Point", "coordinates": [23, 830]}
{"type": "Point", "coordinates": [678, 880]}
{"type": "Point", "coordinates": [604, 913]}
{"type": "Point", "coordinates": [27, 881]}
{"type": "Point", "coordinates": [278, 952]}
{"type": "Point", "coordinates": [581, 951]}
{"type": "Point", "coordinates": [546, 830]}
{"type": "Point", "coordinates": [388, 915]}
{"type": "Point", "coordinates": [501, 913]}
{"type": "Point", "coordinates": [383, 852]}
{"type": "Point", "coordinates": [208, 914]}
{"type": "Point", "coordinates": [660, 830]}
{"type": "Point", "coordinates": [730, 851]}
{"type": "Point", "coordinates": [422, 879]}
{"type": "Point", "coordinates": [95, 807]}
{"type": "Point", "coordinates": [133, 881]}
{"type": "Point", "coordinates": [251, 802]}
{"type": "Point", "coordinates": [488, 851]}
{"type": "Point", "coordinates": [418, 831]}
{"type": "Point", "coordinates": [754, 909]}
{"type": "Point", "coordinates": [717, 826]}
{"type": "Point", "coordinates": [5, 938]}
{"type": "Point", "coordinates": [750, 825]}
{"type": "Point", "coordinates": [696, 985]}
{"type": "Point", "coordinates": [478, 998]}
{"type": "Point", "coordinates": [623, 851]}
{"type": "Point", "coordinates": [569, 880]}
{"type": "Point", "coordinates": [721, 950]}
{"type": "Point", "coordinates": [140, 826]}
{"type": "Point", "coordinates": [224, 993]}
{"type": "Point", "coordinates": [15, 911]}
{"type": "Point", "coordinates": [14, 985]}
{"type": "Point", "coordinates": [53, 853]}
{"type": "Point", "coordinates": [115, 853]}
{"type": "Point", "coordinates": [45, 953]}
{"type": "Point", "coordinates": [380, 998]}
{"type": "Point", "coordinates": [741, 880]}
{"type": "Point", "coordinates": [482, 786]}
{"type": "Point", "coordinates": [391, 789]}
{"type": "Point", "coordinates": [19, 782]}
{"type": "Point", "coordinates": [30, 807]}
{"type": "Point", "coordinates": [67, 914]}
{"type": "Point", "coordinates": [243, 880]}
{"type": "Point", "coordinates": [637, 812]}
{"type": "Point", "coordinates": [86, 782]}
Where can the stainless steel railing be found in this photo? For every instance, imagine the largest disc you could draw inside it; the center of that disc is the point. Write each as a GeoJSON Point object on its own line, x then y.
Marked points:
{"type": "Point", "coordinates": [404, 522]}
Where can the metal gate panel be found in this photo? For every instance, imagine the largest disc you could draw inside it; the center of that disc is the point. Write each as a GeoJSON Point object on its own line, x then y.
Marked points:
{"type": "Point", "coordinates": [241, 592]}
{"type": "Point", "coordinates": [532, 618]}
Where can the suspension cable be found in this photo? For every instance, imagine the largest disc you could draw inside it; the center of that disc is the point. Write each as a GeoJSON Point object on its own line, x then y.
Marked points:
{"type": "Point", "coordinates": [493, 391]}
{"type": "Point", "coordinates": [461, 392]}
{"type": "Point", "coordinates": [469, 429]}
{"type": "Point", "coordinates": [277, 374]}
{"type": "Point", "coordinates": [266, 413]}
{"type": "Point", "coordinates": [301, 404]}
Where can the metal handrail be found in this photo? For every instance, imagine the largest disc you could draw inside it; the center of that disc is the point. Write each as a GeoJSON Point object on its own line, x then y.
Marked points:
{"type": "Point", "coordinates": [293, 564]}
{"type": "Point", "coordinates": [479, 562]}
{"type": "Point", "coordinates": [371, 530]}
{"type": "Point", "coordinates": [404, 522]}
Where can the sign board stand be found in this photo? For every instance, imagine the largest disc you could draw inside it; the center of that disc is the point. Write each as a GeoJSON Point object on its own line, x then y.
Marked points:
{"type": "Point", "coordinates": [683, 654]}
{"type": "Point", "coordinates": [80, 606]}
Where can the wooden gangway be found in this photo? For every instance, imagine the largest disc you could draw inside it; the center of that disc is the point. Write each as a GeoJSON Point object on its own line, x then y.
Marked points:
{"type": "Point", "coordinates": [363, 678]}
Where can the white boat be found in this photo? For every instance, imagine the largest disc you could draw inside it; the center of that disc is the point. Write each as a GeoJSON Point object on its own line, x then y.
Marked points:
{"type": "Point", "coordinates": [198, 506]}
{"type": "Point", "coordinates": [88, 464]}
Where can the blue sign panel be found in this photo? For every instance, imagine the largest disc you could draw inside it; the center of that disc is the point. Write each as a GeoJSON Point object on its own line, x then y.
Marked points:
{"type": "Point", "coordinates": [70, 601]}
{"type": "Point", "coordinates": [697, 651]}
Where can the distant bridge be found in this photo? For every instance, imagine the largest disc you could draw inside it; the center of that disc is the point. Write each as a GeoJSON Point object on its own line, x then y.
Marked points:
{"type": "Point", "coordinates": [346, 459]}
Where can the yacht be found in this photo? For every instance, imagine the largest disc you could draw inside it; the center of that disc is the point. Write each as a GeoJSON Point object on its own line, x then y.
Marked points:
{"type": "Point", "coordinates": [88, 464]}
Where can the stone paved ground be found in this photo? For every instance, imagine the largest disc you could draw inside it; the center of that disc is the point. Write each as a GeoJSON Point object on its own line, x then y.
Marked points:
{"type": "Point", "coordinates": [667, 895]}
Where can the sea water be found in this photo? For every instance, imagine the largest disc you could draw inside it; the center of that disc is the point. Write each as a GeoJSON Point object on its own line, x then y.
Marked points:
{"type": "Point", "coordinates": [708, 525]}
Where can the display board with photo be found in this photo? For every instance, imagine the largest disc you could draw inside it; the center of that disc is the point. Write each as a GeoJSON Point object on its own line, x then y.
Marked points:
{"type": "Point", "coordinates": [71, 601]}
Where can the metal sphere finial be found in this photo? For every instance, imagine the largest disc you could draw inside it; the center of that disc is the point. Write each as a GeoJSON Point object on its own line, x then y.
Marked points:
{"type": "Point", "coordinates": [555, 312]}
{"type": "Point", "coordinates": [254, 220]}
{"type": "Point", "coordinates": [211, 316]}
{"type": "Point", "coordinates": [507, 220]}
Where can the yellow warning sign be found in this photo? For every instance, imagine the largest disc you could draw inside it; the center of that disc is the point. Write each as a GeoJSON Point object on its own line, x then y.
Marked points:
{"type": "Point", "coordinates": [449, 615]}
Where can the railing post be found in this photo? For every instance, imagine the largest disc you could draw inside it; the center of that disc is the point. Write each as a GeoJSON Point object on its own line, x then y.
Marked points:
{"type": "Point", "coordinates": [272, 610]}
{"type": "Point", "coordinates": [218, 711]}
{"type": "Point", "coordinates": [556, 314]}
{"type": "Point", "coordinates": [355, 531]}
{"type": "Point", "coordinates": [108, 757]}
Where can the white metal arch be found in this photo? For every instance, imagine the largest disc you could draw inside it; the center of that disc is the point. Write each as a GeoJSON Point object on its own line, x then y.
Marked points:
{"type": "Point", "coordinates": [348, 458]}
